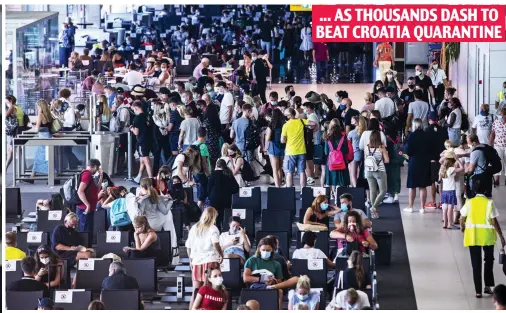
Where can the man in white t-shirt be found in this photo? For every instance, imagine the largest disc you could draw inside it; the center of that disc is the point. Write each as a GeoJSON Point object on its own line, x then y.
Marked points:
{"type": "Point", "coordinates": [226, 108]}
{"type": "Point", "coordinates": [309, 252]}
{"type": "Point", "coordinates": [350, 299]}
{"type": "Point", "coordinates": [133, 77]}
{"type": "Point", "coordinates": [482, 124]}
{"type": "Point", "coordinates": [384, 105]}
{"type": "Point", "coordinates": [417, 109]}
{"type": "Point", "coordinates": [311, 116]}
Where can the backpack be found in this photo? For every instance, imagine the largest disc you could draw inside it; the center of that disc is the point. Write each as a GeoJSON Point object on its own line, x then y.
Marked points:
{"type": "Point", "coordinates": [247, 172]}
{"type": "Point", "coordinates": [56, 202]}
{"type": "Point", "coordinates": [308, 134]}
{"type": "Point", "coordinates": [70, 188]}
{"type": "Point", "coordinates": [493, 160]}
{"type": "Point", "coordinates": [398, 153]}
{"type": "Point", "coordinates": [350, 154]}
{"type": "Point", "coordinates": [114, 123]}
{"type": "Point", "coordinates": [464, 126]}
{"type": "Point", "coordinates": [56, 126]}
{"type": "Point", "coordinates": [370, 162]}
{"type": "Point", "coordinates": [119, 213]}
{"type": "Point", "coordinates": [336, 159]}
{"type": "Point", "coordinates": [11, 125]}
{"type": "Point", "coordinates": [252, 136]}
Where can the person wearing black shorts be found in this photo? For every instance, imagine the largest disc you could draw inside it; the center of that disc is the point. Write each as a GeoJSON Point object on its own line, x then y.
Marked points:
{"type": "Point", "coordinates": [141, 129]}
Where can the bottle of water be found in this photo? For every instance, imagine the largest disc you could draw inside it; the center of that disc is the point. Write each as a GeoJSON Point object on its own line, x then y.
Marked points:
{"type": "Point", "coordinates": [33, 227]}
{"type": "Point", "coordinates": [501, 256]}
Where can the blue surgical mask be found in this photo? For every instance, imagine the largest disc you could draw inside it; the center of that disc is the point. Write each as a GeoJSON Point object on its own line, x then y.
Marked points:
{"type": "Point", "coordinates": [302, 298]}
{"type": "Point", "coordinates": [209, 88]}
{"type": "Point", "coordinates": [342, 106]}
{"type": "Point", "coordinates": [499, 117]}
{"type": "Point", "coordinates": [265, 254]}
{"type": "Point", "coordinates": [324, 206]}
{"type": "Point", "coordinates": [274, 102]}
{"type": "Point", "coordinates": [338, 99]}
{"type": "Point", "coordinates": [484, 113]}
{"type": "Point", "coordinates": [344, 207]}
{"type": "Point", "coordinates": [276, 251]}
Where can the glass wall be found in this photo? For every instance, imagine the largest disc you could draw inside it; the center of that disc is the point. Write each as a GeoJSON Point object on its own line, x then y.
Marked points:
{"type": "Point", "coordinates": [34, 55]}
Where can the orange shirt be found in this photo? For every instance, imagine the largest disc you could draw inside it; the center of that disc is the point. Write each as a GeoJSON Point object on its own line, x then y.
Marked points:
{"type": "Point", "coordinates": [385, 52]}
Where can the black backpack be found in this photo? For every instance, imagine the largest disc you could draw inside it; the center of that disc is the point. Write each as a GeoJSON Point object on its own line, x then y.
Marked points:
{"type": "Point", "coordinates": [492, 158]}
{"type": "Point", "coordinates": [247, 172]}
{"type": "Point", "coordinates": [464, 126]}
{"type": "Point", "coordinates": [252, 136]}
{"type": "Point", "coordinates": [308, 134]}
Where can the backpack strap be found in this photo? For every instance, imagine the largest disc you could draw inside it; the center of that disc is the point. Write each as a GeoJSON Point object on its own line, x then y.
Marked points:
{"type": "Point", "coordinates": [340, 143]}
{"type": "Point", "coordinates": [330, 145]}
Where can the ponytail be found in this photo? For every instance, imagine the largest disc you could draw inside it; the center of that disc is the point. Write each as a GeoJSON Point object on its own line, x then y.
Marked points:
{"type": "Point", "coordinates": [153, 195]}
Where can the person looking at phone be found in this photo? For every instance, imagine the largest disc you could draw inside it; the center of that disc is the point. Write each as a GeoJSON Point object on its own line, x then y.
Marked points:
{"type": "Point", "coordinates": [235, 242]}
{"type": "Point", "coordinates": [352, 231]}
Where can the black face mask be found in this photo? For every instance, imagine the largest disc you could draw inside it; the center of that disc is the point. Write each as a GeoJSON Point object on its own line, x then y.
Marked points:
{"type": "Point", "coordinates": [166, 179]}
{"type": "Point", "coordinates": [411, 86]}
{"type": "Point", "coordinates": [177, 186]}
{"type": "Point", "coordinates": [292, 94]}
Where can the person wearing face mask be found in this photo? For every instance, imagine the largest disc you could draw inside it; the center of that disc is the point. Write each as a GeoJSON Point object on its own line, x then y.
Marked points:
{"type": "Point", "coordinates": [302, 294]}
{"type": "Point", "coordinates": [213, 295]}
{"type": "Point", "coordinates": [349, 299]}
{"type": "Point", "coordinates": [340, 95]}
{"type": "Point", "coordinates": [320, 211]}
{"type": "Point", "coordinates": [49, 266]}
{"type": "Point", "coordinates": [66, 242]}
{"type": "Point", "coordinates": [352, 234]}
{"type": "Point", "coordinates": [384, 105]}
{"type": "Point", "coordinates": [28, 282]}
{"type": "Point", "coordinates": [235, 242]}
{"type": "Point", "coordinates": [392, 81]}
{"type": "Point", "coordinates": [271, 274]}
{"type": "Point", "coordinates": [426, 83]}
{"type": "Point", "coordinates": [439, 81]}
{"type": "Point", "coordinates": [377, 85]}
{"type": "Point", "coordinates": [347, 114]}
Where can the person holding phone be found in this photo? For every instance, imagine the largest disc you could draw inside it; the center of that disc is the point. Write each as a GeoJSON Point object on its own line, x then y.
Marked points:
{"type": "Point", "coordinates": [235, 242]}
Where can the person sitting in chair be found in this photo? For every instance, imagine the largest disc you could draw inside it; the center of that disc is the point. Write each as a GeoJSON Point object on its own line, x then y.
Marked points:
{"type": "Point", "coordinates": [235, 243]}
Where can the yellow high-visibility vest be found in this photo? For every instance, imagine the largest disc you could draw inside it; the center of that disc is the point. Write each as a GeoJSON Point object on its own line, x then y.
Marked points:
{"type": "Point", "coordinates": [479, 229]}
{"type": "Point", "coordinates": [500, 95]}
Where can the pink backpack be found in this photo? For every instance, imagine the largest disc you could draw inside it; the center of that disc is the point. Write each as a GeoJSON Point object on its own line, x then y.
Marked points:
{"type": "Point", "coordinates": [336, 159]}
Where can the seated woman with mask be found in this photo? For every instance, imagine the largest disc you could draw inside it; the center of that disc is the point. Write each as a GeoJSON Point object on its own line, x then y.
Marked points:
{"type": "Point", "coordinates": [352, 235]}
{"type": "Point", "coordinates": [320, 210]}
{"type": "Point", "coordinates": [235, 243]}
{"type": "Point", "coordinates": [302, 294]}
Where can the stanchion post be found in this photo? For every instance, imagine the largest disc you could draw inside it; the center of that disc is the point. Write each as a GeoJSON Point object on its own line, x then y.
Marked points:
{"type": "Point", "coordinates": [129, 155]}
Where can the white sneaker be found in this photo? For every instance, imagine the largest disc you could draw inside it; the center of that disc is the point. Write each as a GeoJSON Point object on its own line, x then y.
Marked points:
{"type": "Point", "coordinates": [137, 180]}
{"type": "Point", "coordinates": [422, 211]}
{"type": "Point", "coordinates": [396, 198]}
{"type": "Point", "coordinates": [310, 181]}
{"type": "Point", "coordinates": [388, 200]}
{"type": "Point", "coordinates": [387, 195]}
{"type": "Point", "coordinates": [408, 210]}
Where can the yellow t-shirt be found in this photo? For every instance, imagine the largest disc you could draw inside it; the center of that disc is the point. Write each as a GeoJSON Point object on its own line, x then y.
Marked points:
{"type": "Point", "coordinates": [293, 130]}
{"type": "Point", "coordinates": [12, 253]}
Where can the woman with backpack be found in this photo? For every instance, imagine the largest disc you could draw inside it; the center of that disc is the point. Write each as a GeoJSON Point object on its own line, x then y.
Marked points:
{"type": "Point", "coordinates": [336, 148]}
{"type": "Point", "coordinates": [376, 156]}
{"type": "Point", "coordinates": [274, 146]}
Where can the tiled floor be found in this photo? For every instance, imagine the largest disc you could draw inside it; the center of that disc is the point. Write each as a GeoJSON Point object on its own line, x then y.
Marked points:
{"type": "Point", "coordinates": [440, 265]}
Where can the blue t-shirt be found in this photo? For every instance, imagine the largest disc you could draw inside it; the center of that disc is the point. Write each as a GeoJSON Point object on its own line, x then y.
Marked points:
{"type": "Point", "coordinates": [239, 126]}
{"type": "Point", "coordinates": [312, 300]}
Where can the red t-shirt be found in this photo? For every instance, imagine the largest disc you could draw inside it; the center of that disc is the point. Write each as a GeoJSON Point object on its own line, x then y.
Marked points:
{"type": "Point", "coordinates": [211, 299]}
{"type": "Point", "coordinates": [360, 237]}
{"type": "Point", "coordinates": [91, 191]}
{"type": "Point", "coordinates": [320, 51]}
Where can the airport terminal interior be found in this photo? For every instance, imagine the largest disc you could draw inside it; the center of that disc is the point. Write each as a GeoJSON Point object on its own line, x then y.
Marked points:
{"type": "Point", "coordinates": [215, 157]}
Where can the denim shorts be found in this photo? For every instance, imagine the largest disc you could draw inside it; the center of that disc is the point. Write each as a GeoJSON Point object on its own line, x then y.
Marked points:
{"type": "Point", "coordinates": [290, 162]}
{"type": "Point", "coordinates": [236, 251]}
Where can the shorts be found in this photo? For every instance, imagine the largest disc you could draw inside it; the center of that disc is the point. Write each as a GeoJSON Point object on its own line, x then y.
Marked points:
{"type": "Point", "coordinates": [309, 152]}
{"type": "Point", "coordinates": [174, 141]}
{"type": "Point", "coordinates": [143, 150]}
{"type": "Point", "coordinates": [290, 162]}
{"type": "Point", "coordinates": [199, 271]}
{"type": "Point", "coordinates": [201, 180]}
{"type": "Point", "coordinates": [434, 172]}
{"type": "Point", "coordinates": [357, 156]}
{"type": "Point", "coordinates": [236, 251]}
{"type": "Point", "coordinates": [449, 197]}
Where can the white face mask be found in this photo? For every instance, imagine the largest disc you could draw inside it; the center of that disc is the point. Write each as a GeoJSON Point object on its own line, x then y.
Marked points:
{"type": "Point", "coordinates": [418, 73]}
{"type": "Point", "coordinates": [44, 261]}
{"type": "Point", "coordinates": [216, 281]}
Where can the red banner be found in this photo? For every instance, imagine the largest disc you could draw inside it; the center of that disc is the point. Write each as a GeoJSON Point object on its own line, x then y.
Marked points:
{"type": "Point", "coordinates": [409, 23]}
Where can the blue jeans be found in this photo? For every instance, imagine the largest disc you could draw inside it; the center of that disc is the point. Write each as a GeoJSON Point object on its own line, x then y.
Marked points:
{"type": "Point", "coordinates": [267, 46]}
{"type": "Point", "coordinates": [454, 136]}
{"type": "Point", "coordinates": [321, 68]}
{"type": "Point", "coordinates": [85, 220]}
{"type": "Point", "coordinates": [290, 162]}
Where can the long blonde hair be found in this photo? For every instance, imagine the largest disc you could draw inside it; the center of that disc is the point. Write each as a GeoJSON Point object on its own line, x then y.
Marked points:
{"type": "Point", "coordinates": [142, 222]}
{"type": "Point", "coordinates": [151, 192]}
{"type": "Point", "coordinates": [105, 106]}
{"type": "Point", "coordinates": [362, 124]}
{"type": "Point", "coordinates": [44, 109]}
{"type": "Point", "coordinates": [224, 150]}
{"type": "Point", "coordinates": [447, 163]}
{"type": "Point", "coordinates": [192, 159]}
{"type": "Point", "coordinates": [207, 219]}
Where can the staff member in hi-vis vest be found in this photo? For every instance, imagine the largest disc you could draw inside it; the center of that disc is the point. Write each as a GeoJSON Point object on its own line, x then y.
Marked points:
{"type": "Point", "coordinates": [479, 224]}
{"type": "Point", "coordinates": [500, 101]}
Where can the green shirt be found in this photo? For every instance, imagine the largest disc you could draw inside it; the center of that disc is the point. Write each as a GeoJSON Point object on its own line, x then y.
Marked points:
{"type": "Point", "coordinates": [204, 152]}
{"type": "Point", "coordinates": [257, 263]}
